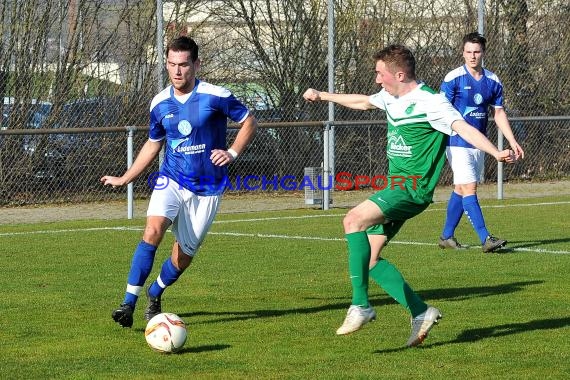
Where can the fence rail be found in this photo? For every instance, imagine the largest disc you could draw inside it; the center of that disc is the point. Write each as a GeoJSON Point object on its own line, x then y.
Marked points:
{"type": "Point", "coordinates": [59, 166]}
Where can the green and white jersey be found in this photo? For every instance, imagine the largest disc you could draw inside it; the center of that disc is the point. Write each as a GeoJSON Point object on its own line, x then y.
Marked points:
{"type": "Point", "coordinates": [419, 124]}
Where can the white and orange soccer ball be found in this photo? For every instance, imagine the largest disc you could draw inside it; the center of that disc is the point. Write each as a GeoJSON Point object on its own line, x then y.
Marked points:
{"type": "Point", "coordinates": [166, 332]}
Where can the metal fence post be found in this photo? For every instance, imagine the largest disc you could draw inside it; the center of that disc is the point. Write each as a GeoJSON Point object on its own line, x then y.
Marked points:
{"type": "Point", "coordinates": [328, 164]}
{"type": "Point", "coordinates": [160, 64]}
{"type": "Point", "coordinates": [500, 177]}
{"type": "Point", "coordinates": [130, 193]}
{"type": "Point", "coordinates": [326, 167]}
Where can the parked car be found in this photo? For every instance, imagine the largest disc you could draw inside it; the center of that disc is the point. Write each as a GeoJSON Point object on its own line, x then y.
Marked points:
{"type": "Point", "coordinates": [83, 154]}
{"type": "Point", "coordinates": [32, 115]}
{"type": "Point", "coordinates": [258, 158]}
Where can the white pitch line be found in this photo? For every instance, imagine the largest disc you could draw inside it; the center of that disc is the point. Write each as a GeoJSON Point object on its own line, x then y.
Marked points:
{"type": "Point", "coordinates": [337, 215]}
{"type": "Point", "coordinates": [72, 230]}
{"type": "Point", "coordinates": [274, 236]}
{"type": "Point", "coordinates": [316, 238]}
{"type": "Point", "coordinates": [513, 205]}
{"type": "Point", "coordinates": [277, 218]}
{"type": "Point", "coordinates": [263, 236]}
{"type": "Point", "coordinates": [247, 220]}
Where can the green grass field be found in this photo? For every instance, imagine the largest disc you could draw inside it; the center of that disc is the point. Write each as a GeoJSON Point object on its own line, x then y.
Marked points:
{"type": "Point", "coordinates": [267, 291]}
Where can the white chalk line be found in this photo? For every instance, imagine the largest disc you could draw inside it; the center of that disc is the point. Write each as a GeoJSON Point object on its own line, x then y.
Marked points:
{"type": "Point", "coordinates": [423, 244]}
{"type": "Point", "coordinates": [310, 238]}
{"type": "Point", "coordinates": [274, 236]}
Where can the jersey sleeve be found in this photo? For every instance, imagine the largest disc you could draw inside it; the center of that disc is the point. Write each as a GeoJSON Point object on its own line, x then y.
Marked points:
{"type": "Point", "coordinates": [447, 88]}
{"type": "Point", "coordinates": [496, 89]}
{"type": "Point", "coordinates": [377, 100]}
{"type": "Point", "coordinates": [156, 131]}
{"type": "Point", "coordinates": [234, 108]}
{"type": "Point", "coordinates": [498, 101]}
{"type": "Point", "coordinates": [225, 101]}
{"type": "Point", "coordinates": [442, 114]}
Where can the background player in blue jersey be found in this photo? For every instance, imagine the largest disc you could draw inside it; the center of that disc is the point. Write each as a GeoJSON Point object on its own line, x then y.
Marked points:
{"type": "Point", "coordinates": [188, 118]}
{"type": "Point", "coordinates": [472, 90]}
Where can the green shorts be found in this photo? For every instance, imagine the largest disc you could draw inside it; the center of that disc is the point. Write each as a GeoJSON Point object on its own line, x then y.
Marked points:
{"type": "Point", "coordinates": [397, 205]}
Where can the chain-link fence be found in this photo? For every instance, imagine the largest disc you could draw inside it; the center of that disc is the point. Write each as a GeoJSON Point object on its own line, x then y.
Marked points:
{"type": "Point", "coordinates": [69, 64]}
{"type": "Point", "coordinates": [49, 167]}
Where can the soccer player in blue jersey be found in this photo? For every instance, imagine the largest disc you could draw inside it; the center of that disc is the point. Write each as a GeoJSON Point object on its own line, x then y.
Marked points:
{"type": "Point", "coordinates": [472, 90]}
{"type": "Point", "coordinates": [189, 118]}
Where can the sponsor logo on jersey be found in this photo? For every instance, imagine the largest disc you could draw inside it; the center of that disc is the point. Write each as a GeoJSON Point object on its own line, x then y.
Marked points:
{"type": "Point", "coordinates": [410, 109]}
{"type": "Point", "coordinates": [176, 142]}
{"type": "Point", "coordinates": [184, 127]}
{"type": "Point", "coordinates": [478, 98]}
{"type": "Point", "coordinates": [191, 149]}
{"type": "Point", "coordinates": [169, 116]}
{"type": "Point", "coordinates": [471, 112]}
{"type": "Point", "coordinates": [397, 147]}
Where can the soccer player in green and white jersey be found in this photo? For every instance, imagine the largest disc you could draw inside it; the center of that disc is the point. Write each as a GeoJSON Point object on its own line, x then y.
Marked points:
{"type": "Point", "coordinates": [419, 121]}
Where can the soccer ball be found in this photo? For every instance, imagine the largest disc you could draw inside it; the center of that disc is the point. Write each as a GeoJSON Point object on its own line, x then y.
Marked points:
{"type": "Point", "coordinates": [166, 332]}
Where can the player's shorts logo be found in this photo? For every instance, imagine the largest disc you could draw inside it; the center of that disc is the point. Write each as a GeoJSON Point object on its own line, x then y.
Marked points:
{"type": "Point", "coordinates": [184, 127]}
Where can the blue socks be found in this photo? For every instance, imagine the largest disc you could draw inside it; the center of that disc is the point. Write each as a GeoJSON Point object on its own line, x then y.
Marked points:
{"type": "Point", "coordinates": [455, 208]}
{"type": "Point", "coordinates": [141, 266]}
{"type": "Point", "coordinates": [168, 276]}
{"type": "Point", "coordinates": [454, 213]}
{"type": "Point", "coordinates": [473, 212]}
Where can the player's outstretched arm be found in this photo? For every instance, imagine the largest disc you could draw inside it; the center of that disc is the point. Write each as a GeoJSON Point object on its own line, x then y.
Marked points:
{"type": "Point", "coordinates": [147, 154]}
{"type": "Point", "coordinates": [354, 101]}
{"type": "Point", "coordinates": [480, 141]}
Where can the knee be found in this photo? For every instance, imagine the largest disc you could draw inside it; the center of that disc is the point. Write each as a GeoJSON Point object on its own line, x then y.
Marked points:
{"type": "Point", "coordinates": [466, 189]}
{"type": "Point", "coordinates": [153, 235]}
{"type": "Point", "coordinates": [352, 222]}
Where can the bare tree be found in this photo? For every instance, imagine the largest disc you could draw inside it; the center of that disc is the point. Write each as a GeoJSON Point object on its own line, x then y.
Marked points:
{"type": "Point", "coordinates": [277, 45]}
{"type": "Point", "coordinates": [517, 16]}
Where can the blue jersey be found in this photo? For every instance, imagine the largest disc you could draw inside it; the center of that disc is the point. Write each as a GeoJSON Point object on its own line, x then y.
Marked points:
{"type": "Point", "coordinates": [472, 98]}
{"type": "Point", "coordinates": [192, 130]}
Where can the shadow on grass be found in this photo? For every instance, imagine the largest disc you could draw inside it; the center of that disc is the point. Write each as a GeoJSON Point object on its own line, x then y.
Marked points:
{"type": "Point", "coordinates": [448, 294]}
{"type": "Point", "coordinates": [535, 243]}
{"type": "Point", "coordinates": [460, 294]}
{"type": "Point", "coordinates": [206, 348]}
{"type": "Point", "coordinates": [474, 335]}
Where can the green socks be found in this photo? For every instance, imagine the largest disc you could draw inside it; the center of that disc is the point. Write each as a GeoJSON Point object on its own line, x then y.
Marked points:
{"type": "Point", "coordinates": [384, 273]}
{"type": "Point", "coordinates": [358, 258]}
{"type": "Point", "coordinates": [391, 280]}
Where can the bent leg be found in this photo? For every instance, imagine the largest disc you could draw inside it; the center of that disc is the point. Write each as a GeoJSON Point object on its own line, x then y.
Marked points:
{"type": "Point", "coordinates": [172, 269]}
{"type": "Point", "coordinates": [377, 242]}
{"type": "Point", "coordinates": [355, 223]}
{"type": "Point", "coordinates": [473, 210]}
{"type": "Point", "coordinates": [393, 283]}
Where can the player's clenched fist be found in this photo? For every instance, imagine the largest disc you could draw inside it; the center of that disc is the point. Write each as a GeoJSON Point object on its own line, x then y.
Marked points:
{"type": "Point", "coordinates": [312, 95]}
